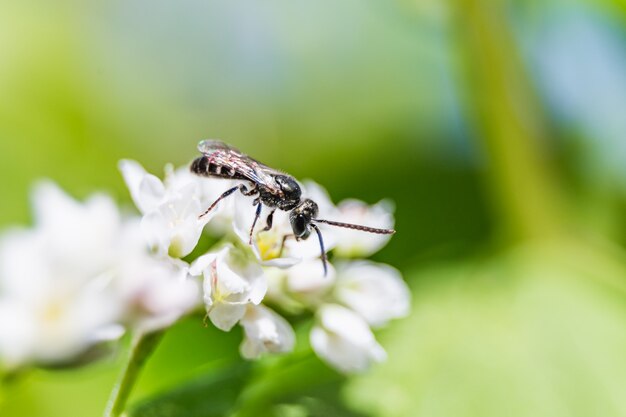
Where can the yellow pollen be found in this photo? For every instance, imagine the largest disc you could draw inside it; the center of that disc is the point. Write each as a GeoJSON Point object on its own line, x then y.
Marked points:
{"type": "Point", "coordinates": [269, 247]}
{"type": "Point", "coordinates": [52, 311]}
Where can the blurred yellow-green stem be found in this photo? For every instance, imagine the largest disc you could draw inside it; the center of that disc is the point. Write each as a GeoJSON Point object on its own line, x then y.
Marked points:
{"type": "Point", "coordinates": [7, 380]}
{"type": "Point", "coordinates": [509, 121]}
{"type": "Point", "coordinates": [141, 348]}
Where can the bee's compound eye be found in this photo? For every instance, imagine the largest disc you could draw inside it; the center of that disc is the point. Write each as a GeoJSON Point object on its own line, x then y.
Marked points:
{"type": "Point", "coordinates": [298, 224]}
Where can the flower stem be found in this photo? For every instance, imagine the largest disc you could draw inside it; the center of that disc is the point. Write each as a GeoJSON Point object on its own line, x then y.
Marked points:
{"type": "Point", "coordinates": [141, 348]}
{"type": "Point", "coordinates": [7, 381]}
{"type": "Point", "coordinates": [512, 129]}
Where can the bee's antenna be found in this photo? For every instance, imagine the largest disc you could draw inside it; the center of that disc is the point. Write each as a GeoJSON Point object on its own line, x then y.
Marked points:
{"type": "Point", "coordinates": [356, 227]}
{"type": "Point", "coordinates": [319, 235]}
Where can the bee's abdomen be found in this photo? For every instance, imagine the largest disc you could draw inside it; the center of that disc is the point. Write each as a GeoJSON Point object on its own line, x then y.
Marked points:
{"type": "Point", "coordinates": [200, 166]}
{"type": "Point", "coordinates": [203, 166]}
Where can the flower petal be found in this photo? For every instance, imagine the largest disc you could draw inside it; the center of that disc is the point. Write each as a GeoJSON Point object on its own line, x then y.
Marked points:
{"type": "Point", "coordinates": [265, 331]}
{"type": "Point", "coordinates": [344, 340]}
{"type": "Point", "coordinates": [355, 243]}
{"type": "Point", "coordinates": [232, 280]}
{"type": "Point", "coordinates": [375, 291]}
{"type": "Point", "coordinates": [146, 190]}
{"type": "Point", "coordinates": [225, 315]}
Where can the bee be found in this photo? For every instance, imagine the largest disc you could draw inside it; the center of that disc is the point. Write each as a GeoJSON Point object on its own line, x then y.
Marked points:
{"type": "Point", "coordinates": [272, 188]}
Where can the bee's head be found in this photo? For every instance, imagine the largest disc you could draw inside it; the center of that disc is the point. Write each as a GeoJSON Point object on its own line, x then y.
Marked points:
{"type": "Point", "coordinates": [291, 191]}
{"type": "Point", "coordinates": [301, 216]}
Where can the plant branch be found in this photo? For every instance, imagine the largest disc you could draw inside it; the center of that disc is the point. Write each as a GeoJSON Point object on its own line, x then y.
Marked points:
{"type": "Point", "coordinates": [511, 128]}
{"type": "Point", "coordinates": [141, 348]}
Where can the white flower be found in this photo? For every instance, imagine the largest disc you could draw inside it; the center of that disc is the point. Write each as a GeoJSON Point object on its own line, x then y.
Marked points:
{"type": "Point", "coordinates": [155, 292]}
{"type": "Point", "coordinates": [71, 282]}
{"type": "Point", "coordinates": [81, 238]}
{"type": "Point", "coordinates": [55, 329]}
{"type": "Point", "coordinates": [231, 281]}
{"type": "Point", "coordinates": [344, 340]}
{"type": "Point", "coordinates": [354, 243]}
{"type": "Point", "coordinates": [271, 247]}
{"type": "Point", "coordinates": [54, 302]}
{"type": "Point", "coordinates": [265, 331]}
{"type": "Point", "coordinates": [307, 278]}
{"type": "Point", "coordinates": [209, 190]}
{"type": "Point", "coordinates": [170, 209]}
{"type": "Point", "coordinates": [301, 286]}
{"type": "Point", "coordinates": [375, 291]}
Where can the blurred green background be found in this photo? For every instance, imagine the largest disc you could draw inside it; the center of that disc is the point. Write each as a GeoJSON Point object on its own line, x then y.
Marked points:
{"type": "Point", "coordinates": [498, 128]}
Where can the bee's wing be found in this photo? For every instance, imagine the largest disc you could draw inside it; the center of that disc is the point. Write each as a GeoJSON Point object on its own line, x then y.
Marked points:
{"type": "Point", "coordinates": [209, 146]}
{"type": "Point", "coordinates": [224, 154]}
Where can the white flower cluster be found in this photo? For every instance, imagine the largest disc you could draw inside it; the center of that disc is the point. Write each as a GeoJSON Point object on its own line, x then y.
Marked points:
{"type": "Point", "coordinates": [84, 274]}
{"type": "Point", "coordinates": [78, 278]}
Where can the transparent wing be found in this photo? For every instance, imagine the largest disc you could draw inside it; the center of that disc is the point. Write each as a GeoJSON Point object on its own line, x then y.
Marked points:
{"type": "Point", "coordinates": [208, 146]}
{"type": "Point", "coordinates": [223, 154]}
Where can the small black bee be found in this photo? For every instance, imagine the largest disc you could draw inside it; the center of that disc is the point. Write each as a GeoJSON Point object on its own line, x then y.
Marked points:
{"type": "Point", "coordinates": [275, 189]}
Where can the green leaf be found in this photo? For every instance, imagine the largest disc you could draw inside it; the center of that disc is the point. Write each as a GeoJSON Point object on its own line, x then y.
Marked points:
{"type": "Point", "coordinates": [207, 396]}
{"type": "Point", "coordinates": [289, 385]}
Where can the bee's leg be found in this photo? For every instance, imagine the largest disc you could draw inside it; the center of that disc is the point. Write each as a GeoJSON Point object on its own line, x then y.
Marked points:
{"type": "Point", "coordinates": [223, 196]}
{"type": "Point", "coordinates": [256, 217]}
{"type": "Point", "coordinates": [270, 219]}
{"type": "Point", "coordinates": [282, 245]}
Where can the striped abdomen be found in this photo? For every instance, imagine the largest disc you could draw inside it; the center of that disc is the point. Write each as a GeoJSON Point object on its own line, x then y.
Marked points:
{"type": "Point", "coordinates": [202, 166]}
